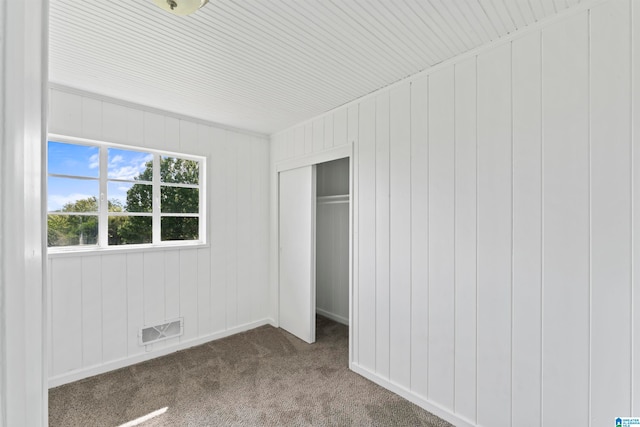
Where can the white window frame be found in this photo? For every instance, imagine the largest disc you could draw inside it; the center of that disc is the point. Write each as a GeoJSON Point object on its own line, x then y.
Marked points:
{"type": "Point", "coordinates": [156, 214]}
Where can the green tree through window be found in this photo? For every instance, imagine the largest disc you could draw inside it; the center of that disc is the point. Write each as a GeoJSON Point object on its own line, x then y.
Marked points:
{"type": "Point", "coordinates": [74, 229]}
{"type": "Point", "coordinates": [172, 200]}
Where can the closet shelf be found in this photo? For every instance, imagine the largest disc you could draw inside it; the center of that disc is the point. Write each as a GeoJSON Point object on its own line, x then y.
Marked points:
{"type": "Point", "coordinates": [340, 198]}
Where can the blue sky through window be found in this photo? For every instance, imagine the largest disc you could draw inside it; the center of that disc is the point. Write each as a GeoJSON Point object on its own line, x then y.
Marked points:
{"type": "Point", "coordinates": [83, 161]}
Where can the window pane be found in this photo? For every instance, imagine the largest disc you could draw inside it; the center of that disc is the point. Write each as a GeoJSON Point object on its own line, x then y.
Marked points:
{"type": "Point", "coordinates": [72, 230]}
{"type": "Point", "coordinates": [179, 200]}
{"type": "Point", "coordinates": [130, 230]}
{"type": "Point", "coordinates": [130, 165]}
{"type": "Point", "coordinates": [126, 197]}
{"type": "Point", "coordinates": [72, 195]}
{"type": "Point", "coordinates": [179, 228]}
{"type": "Point", "coordinates": [180, 171]}
{"type": "Point", "coordinates": [73, 159]}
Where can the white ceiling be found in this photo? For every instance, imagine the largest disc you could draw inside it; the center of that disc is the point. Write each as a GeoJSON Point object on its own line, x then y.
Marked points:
{"type": "Point", "coordinates": [264, 65]}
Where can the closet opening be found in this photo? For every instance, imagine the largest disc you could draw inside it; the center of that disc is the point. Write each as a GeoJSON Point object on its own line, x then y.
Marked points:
{"type": "Point", "coordinates": [314, 248]}
{"type": "Point", "coordinates": [332, 246]}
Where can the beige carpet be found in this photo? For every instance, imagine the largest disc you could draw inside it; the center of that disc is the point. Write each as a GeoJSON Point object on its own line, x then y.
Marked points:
{"type": "Point", "coordinates": [263, 377]}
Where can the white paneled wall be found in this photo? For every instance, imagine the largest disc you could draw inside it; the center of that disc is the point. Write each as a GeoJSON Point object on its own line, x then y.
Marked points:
{"type": "Point", "coordinates": [100, 300]}
{"type": "Point", "coordinates": [496, 224]}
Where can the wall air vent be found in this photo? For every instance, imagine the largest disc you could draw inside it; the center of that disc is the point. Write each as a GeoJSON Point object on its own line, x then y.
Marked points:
{"type": "Point", "coordinates": [155, 333]}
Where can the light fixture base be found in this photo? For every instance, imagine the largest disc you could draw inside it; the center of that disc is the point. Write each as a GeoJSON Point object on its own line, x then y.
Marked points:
{"type": "Point", "coordinates": [180, 7]}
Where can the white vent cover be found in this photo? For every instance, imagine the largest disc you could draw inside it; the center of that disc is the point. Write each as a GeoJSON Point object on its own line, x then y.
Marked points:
{"type": "Point", "coordinates": [151, 334]}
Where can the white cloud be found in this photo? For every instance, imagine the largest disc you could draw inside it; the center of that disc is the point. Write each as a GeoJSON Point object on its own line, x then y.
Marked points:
{"type": "Point", "coordinates": [94, 161]}
{"type": "Point", "coordinates": [56, 202]}
{"type": "Point", "coordinates": [125, 172]}
{"type": "Point", "coordinates": [128, 168]}
{"type": "Point", "coordinates": [115, 160]}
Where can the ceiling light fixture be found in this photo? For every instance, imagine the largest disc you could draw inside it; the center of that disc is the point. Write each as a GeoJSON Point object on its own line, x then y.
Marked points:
{"type": "Point", "coordinates": [180, 7]}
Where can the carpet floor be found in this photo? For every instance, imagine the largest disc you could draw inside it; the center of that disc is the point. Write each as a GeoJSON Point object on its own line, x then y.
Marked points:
{"type": "Point", "coordinates": [262, 377]}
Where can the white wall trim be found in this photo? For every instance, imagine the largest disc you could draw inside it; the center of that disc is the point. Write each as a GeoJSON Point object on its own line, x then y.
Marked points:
{"type": "Point", "coordinates": [425, 404]}
{"type": "Point", "coordinates": [23, 61]}
{"type": "Point", "coordinates": [315, 158]}
{"type": "Point", "coordinates": [90, 371]}
{"type": "Point", "coordinates": [332, 316]}
{"type": "Point", "coordinates": [150, 109]}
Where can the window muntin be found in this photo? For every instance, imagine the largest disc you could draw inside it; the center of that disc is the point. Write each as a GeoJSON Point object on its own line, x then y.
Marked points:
{"type": "Point", "coordinates": [107, 195]}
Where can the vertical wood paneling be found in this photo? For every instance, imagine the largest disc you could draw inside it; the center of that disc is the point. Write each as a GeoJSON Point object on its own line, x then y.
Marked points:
{"type": "Point", "coordinates": [92, 320]}
{"type": "Point", "coordinates": [533, 182]}
{"type": "Point", "coordinates": [66, 314]}
{"type": "Point", "coordinates": [217, 171]}
{"type": "Point", "coordinates": [494, 237]}
{"type": "Point", "coordinates": [465, 239]}
{"type": "Point", "coordinates": [245, 236]}
{"type": "Point", "coordinates": [189, 298]}
{"type": "Point", "coordinates": [186, 134]}
{"type": "Point", "coordinates": [441, 237]}
{"type": "Point", "coordinates": [114, 306]}
{"type": "Point", "coordinates": [135, 301]}
{"type": "Point", "coordinates": [135, 126]}
{"type": "Point", "coordinates": [566, 284]}
{"type": "Point", "coordinates": [340, 127]}
{"type": "Point", "coordinates": [353, 137]}
{"type": "Point", "coordinates": [65, 113]}
{"type": "Point", "coordinates": [367, 258]}
{"type": "Point", "coordinates": [50, 347]}
{"type": "Point", "coordinates": [382, 234]}
{"type": "Point", "coordinates": [172, 288]}
{"type": "Point", "coordinates": [527, 230]}
{"type": "Point", "coordinates": [260, 224]}
{"type": "Point", "coordinates": [328, 131]}
{"type": "Point", "coordinates": [277, 142]}
{"type": "Point", "coordinates": [308, 138]}
{"type": "Point", "coordinates": [400, 235]}
{"type": "Point", "coordinates": [610, 211]}
{"type": "Point", "coordinates": [174, 130]}
{"type": "Point", "coordinates": [154, 296]}
{"type": "Point", "coordinates": [231, 207]}
{"type": "Point", "coordinates": [298, 141]}
{"type": "Point", "coordinates": [204, 289]}
{"type": "Point", "coordinates": [290, 145]}
{"type": "Point", "coordinates": [153, 130]}
{"type": "Point", "coordinates": [318, 134]}
{"type": "Point", "coordinates": [91, 118]}
{"type": "Point", "coordinates": [419, 237]}
{"type": "Point", "coordinates": [114, 123]}
{"type": "Point", "coordinates": [635, 120]}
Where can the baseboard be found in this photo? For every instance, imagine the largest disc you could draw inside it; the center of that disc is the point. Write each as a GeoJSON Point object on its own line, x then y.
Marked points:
{"type": "Point", "coordinates": [90, 371]}
{"type": "Point", "coordinates": [425, 404]}
{"type": "Point", "coordinates": [332, 316]}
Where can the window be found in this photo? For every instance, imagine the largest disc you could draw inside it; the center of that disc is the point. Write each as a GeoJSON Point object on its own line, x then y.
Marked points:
{"type": "Point", "coordinates": [106, 195]}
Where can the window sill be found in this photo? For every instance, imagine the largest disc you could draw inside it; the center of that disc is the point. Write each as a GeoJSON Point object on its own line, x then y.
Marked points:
{"type": "Point", "coordinates": [94, 250]}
